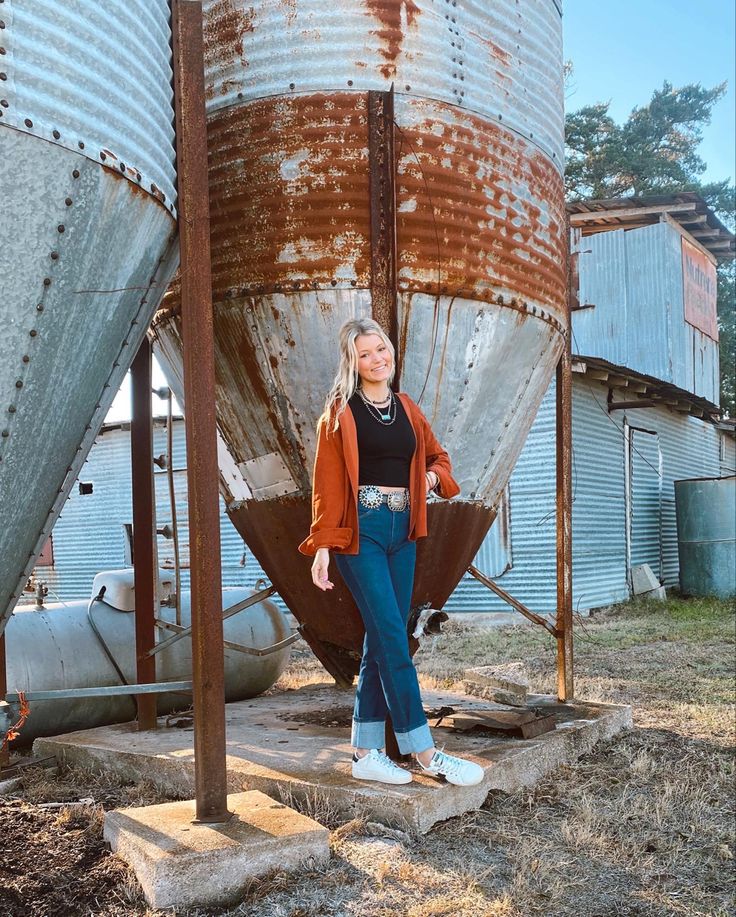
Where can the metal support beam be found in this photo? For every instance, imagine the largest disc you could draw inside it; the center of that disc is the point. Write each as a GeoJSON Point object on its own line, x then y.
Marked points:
{"type": "Point", "coordinates": [563, 456]}
{"type": "Point", "coordinates": [382, 168]}
{"type": "Point", "coordinates": [514, 603]}
{"type": "Point", "coordinates": [144, 530]}
{"type": "Point", "coordinates": [208, 667]}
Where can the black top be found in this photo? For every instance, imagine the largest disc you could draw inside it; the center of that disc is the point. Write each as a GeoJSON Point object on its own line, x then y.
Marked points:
{"type": "Point", "coordinates": [384, 452]}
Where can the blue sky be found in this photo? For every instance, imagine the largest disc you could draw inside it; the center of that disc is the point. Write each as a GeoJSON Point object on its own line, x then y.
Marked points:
{"type": "Point", "coordinates": [623, 50]}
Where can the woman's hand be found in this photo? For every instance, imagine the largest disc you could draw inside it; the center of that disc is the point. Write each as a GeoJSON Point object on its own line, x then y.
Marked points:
{"type": "Point", "coordinates": [319, 569]}
{"type": "Point", "coordinates": [432, 479]}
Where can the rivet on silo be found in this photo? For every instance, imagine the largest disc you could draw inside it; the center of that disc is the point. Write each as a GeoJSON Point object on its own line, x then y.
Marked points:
{"type": "Point", "coordinates": [56, 134]}
{"type": "Point", "coordinates": [80, 144]}
{"type": "Point", "coordinates": [54, 256]}
{"type": "Point", "coordinates": [3, 76]}
{"type": "Point", "coordinates": [68, 201]}
{"type": "Point", "coordinates": [11, 409]}
{"type": "Point", "coordinates": [75, 173]}
{"type": "Point", "coordinates": [6, 433]}
{"type": "Point", "coordinates": [4, 103]}
{"type": "Point", "coordinates": [47, 281]}
{"type": "Point", "coordinates": [33, 332]}
{"type": "Point", "coordinates": [19, 383]}
{"type": "Point", "coordinates": [25, 358]}
{"type": "Point", "coordinates": [28, 122]}
{"type": "Point", "coordinates": [60, 227]}
{"type": "Point", "coordinates": [122, 167]}
{"type": "Point", "coordinates": [291, 86]}
{"type": "Point", "coordinates": [103, 157]}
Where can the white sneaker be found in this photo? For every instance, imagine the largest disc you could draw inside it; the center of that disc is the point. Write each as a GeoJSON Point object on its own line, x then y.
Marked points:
{"type": "Point", "coordinates": [378, 766]}
{"type": "Point", "coordinates": [455, 770]}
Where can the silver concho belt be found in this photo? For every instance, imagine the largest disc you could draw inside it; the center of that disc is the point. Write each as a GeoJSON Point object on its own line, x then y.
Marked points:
{"type": "Point", "coordinates": [372, 497]}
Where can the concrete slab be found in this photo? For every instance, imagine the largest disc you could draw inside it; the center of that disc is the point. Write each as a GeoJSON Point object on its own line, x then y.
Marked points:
{"type": "Point", "coordinates": [296, 745]}
{"type": "Point", "coordinates": [181, 864]}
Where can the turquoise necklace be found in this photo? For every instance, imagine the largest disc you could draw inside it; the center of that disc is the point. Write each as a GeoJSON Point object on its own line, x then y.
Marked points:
{"type": "Point", "coordinates": [384, 414]}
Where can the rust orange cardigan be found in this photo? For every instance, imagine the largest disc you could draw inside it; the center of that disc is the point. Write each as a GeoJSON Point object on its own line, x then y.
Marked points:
{"type": "Point", "coordinates": [335, 481]}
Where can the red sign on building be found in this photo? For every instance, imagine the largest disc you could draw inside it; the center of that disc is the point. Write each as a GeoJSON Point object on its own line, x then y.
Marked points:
{"type": "Point", "coordinates": [700, 288]}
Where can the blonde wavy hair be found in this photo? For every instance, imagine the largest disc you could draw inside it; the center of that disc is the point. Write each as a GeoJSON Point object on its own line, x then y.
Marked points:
{"type": "Point", "coordinates": [347, 378]}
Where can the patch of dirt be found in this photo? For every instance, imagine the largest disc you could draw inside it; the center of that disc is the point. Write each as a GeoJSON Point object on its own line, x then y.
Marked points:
{"type": "Point", "coordinates": [54, 862]}
{"type": "Point", "coordinates": [641, 826]}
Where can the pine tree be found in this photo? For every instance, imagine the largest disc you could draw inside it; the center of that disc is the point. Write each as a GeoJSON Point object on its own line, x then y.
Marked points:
{"type": "Point", "coordinates": [655, 152]}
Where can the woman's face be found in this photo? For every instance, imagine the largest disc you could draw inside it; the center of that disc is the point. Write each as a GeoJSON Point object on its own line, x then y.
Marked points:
{"type": "Point", "coordinates": [374, 358]}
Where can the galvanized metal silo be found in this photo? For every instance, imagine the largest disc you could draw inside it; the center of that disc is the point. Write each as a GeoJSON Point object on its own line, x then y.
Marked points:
{"type": "Point", "coordinates": [305, 159]}
{"type": "Point", "coordinates": [88, 239]}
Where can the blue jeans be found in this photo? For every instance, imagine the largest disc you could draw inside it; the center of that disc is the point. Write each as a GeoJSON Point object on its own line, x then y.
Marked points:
{"type": "Point", "coordinates": [381, 578]}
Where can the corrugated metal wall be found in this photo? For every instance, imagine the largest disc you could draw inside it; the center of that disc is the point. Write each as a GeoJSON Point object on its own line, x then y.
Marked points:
{"type": "Point", "coordinates": [89, 535]}
{"type": "Point", "coordinates": [689, 448]}
{"type": "Point", "coordinates": [634, 279]}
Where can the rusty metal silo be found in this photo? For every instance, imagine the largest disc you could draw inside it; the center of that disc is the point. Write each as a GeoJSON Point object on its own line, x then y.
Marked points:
{"type": "Point", "coordinates": [88, 240]}
{"type": "Point", "coordinates": [438, 209]}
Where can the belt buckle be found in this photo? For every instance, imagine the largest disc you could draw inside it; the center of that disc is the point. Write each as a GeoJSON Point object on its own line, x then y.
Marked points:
{"type": "Point", "coordinates": [370, 496]}
{"type": "Point", "coordinates": [397, 501]}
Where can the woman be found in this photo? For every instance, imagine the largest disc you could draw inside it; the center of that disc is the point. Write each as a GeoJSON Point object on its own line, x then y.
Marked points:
{"type": "Point", "coordinates": [377, 459]}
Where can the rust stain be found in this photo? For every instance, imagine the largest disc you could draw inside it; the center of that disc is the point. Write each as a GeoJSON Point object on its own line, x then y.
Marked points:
{"type": "Point", "coordinates": [289, 8]}
{"type": "Point", "coordinates": [394, 16]}
{"type": "Point", "coordinates": [480, 210]}
{"type": "Point", "coordinates": [224, 27]}
{"type": "Point", "coordinates": [477, 223]}
{"type": "Point", "coordinates": [289, 193]}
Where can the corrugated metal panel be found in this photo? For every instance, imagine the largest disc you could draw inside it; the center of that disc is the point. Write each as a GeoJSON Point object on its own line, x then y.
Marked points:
{"type": "Point", "coordinates": [501, 60]}
{"type": "Point", "coordinates": [689, 448]}
{"type": "Point", "coordinates": [92, 247]}
{"type": "Point", "coordinates": [99, 78]}
{"type": "Point", "coordinates": [89, 535]}
{"type": "Point", "coordinates": [646, 500]}
{"type": "Point", "coordinates": [634, 279]}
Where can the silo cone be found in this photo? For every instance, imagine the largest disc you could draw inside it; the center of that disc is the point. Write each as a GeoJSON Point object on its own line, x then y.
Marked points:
{"type": "Point", "coordinates": [706, 536]}
{"type": "Point", "coordinates": [88, 240]}
{"type": "Point", "coordinates": [480, 223]}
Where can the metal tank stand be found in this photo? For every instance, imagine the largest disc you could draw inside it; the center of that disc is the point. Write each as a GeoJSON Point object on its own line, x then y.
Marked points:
{"type": "Point", "coordinates": [145, 565]}
{"type": "Point", "coordinates": [208, 674]}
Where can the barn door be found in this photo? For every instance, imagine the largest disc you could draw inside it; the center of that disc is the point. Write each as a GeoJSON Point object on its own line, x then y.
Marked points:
{"type": "Point", "coordinates": [644, 500]}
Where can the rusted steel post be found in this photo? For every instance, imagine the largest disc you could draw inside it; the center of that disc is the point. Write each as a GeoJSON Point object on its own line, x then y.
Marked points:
{"type": "Point", "coordinates": [4, 751]}
{"type": "Point", "coordinates": [208, 674]}
{"type": "Point", "coordinates": [144, 530]}
{"type": "Point", "coordinates": [382, 189]}
{"type": "Point", "coordinates": [563, 450]}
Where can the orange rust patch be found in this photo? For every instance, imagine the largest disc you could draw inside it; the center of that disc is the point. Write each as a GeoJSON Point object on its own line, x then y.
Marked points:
{"type": "Point", "coordinates": [389, 14]}
{"type": "Point", "coordinates": [289, 192]}
{"type": "Point", "coordinates": [480, 210]}
{"type": "Point", "coordinates": [224, 28]}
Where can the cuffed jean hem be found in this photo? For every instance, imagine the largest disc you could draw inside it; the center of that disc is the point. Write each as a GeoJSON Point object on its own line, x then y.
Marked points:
{"type": "Point", "coordinates": [415, 740]}
{"type": "Point", "coordinates": [371, 734]}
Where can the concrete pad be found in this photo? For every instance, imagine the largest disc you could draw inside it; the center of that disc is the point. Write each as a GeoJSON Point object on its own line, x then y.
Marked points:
{"type": "Point", "coordinates": [295, 745]}
{"type": "Point", "coordinates": [182, 864]}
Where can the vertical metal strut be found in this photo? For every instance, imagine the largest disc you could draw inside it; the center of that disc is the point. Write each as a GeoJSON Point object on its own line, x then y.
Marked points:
{"type": "Point", "coordinates": [382, 165]}
{"type": "Point", "coordinates": [144, 530]}
{"type": "Point", "coordinates": [563, 454]}
{"type": "Point", "coordinates": [208, 674]}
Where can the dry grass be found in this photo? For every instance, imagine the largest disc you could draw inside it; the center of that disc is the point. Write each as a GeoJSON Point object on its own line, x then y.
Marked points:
{"type": "Point", "coordinates": [642, 825]}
